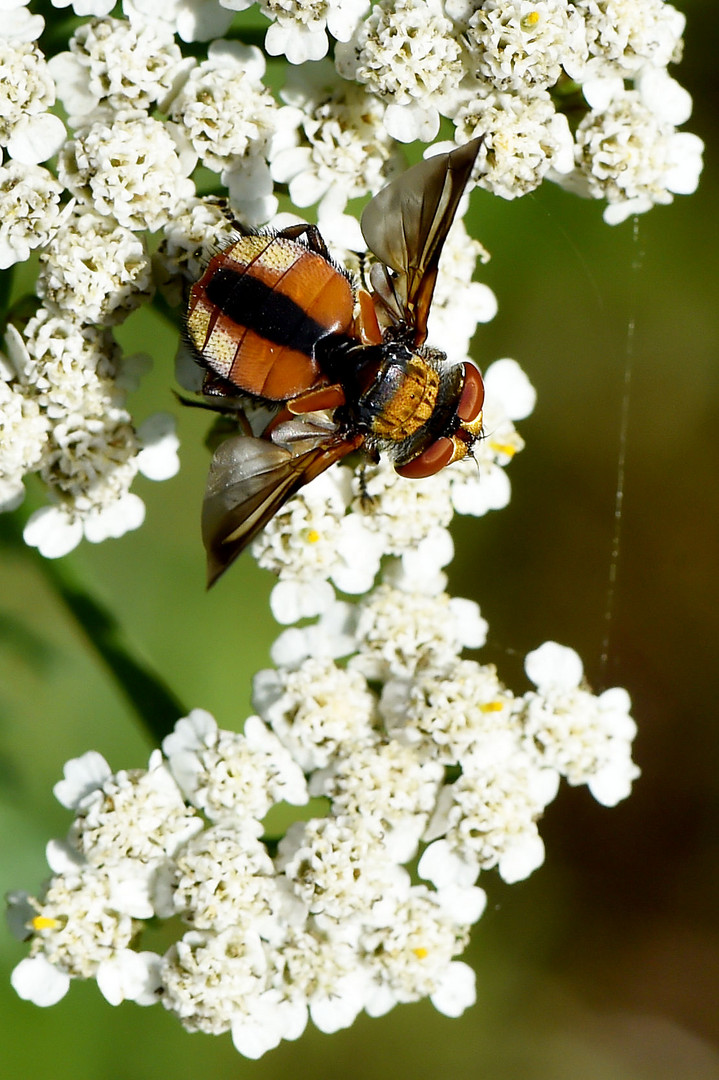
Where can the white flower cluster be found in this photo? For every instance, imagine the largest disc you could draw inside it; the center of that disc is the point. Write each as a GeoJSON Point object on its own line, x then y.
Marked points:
{"type": "Point", "coordinates": [143, 116]}
{"type": "Point", "coordinates": [416, 751]}
{"type": "Point", "coordinates": [62, 390]}
{"type": "Point", "coordinates": [63, 380]}
{"type": "Point", "coordinates": [518, 71]}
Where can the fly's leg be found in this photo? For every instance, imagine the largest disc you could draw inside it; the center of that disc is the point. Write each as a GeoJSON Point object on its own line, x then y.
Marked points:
{"type": "Point", "coordinates": [312, 236]}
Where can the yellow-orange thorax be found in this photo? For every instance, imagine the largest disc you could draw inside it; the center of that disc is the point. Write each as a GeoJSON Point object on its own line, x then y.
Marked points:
{"type": "Point", "coordinates": [411, 405]}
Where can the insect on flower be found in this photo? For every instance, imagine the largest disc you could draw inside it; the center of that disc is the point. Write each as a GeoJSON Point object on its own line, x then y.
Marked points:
{"type": "Point", "coordinates": [275, 319]}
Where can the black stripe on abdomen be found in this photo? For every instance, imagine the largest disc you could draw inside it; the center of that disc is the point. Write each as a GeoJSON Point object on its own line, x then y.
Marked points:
{"type": "Point", "coordinates": [251, 303]}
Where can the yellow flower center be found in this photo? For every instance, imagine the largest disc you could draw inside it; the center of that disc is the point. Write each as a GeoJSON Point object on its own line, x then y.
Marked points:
{"type": "Point", "coordinates": [503, 448]}
{"type": "Point", "coordinates": [44, 922]}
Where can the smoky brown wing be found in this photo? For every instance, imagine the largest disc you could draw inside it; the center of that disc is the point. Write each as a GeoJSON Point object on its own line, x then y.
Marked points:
{"type": "Point", "coordinates": [249, 481]}
{"type": "Point", "coordinates": [406, 225]}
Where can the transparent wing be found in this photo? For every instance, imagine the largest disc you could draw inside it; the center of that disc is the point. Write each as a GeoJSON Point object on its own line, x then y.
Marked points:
{"type": "Point", "coordinates": [406, 225]}
{"type": "Point", "coordinates": [250, 479]}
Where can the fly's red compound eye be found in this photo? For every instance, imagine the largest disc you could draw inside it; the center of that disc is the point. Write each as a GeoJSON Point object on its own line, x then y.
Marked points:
{"type": "Point", "coordinates": [472, 398]}
{"type": "Point", "coordinates": [430, 461]}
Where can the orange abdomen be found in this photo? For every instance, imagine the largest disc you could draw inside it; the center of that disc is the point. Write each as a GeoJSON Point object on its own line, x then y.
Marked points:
{"type": "Point", "coordinates": [258, 312]}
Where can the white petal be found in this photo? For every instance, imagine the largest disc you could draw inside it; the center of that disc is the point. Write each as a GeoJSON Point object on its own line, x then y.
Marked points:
{"type": "Point", "coordinates": [505, 382]}
{"type": "Point", "coordinates": [617, 212]}
{"type": "Point", "coordinates": [265, 1024]}
{"type": "Point", "coordinates": [130, 889]}
{"type": "Point", "coordinates": [307, 188]}
{"type": "Point", "coordinates": [340, 1008]}
{"type": "Point", "coordinates": [82, 776]}
{"type": "Point", "coordinates": [354, 578]}
{"type": "Point", "coordinates": [12, 492]}
{"type": "Point", "coordinates": [298, 43]}
{"type": "Point", "coordinates": [465, 906]}
{"type": "Point", "coordinates": [248, 180]}
{"type": "Point", "coordinates": [288, 163]}
{"type": "Point", "coordinates": [457, 990]}
{"type": "Point", "coordinates": [544, 785]}
{"type": "Point", "coordinates": [471, 627]}
{"type": "Point", "coordinates": [291, 648]}
{"type": "Point", "coordinates": [667, 99]}
{"type": "Point", "coordinates": [158, 458]}
{"type": "Point", "coordinates": [483, 301]}
{"type": "Point", "coordinates": [266, 690]}
{"type": "Point", "coordinates": [342, 18]}
{"type": "Point", "coordinates": [340, 230]}
{"type": "Point", "coordinates": [52, 532]}
{"type": "Point", "coordinates": [294, 600]}
{"type": "Point", "coordinates": [685, 156]}
{"type": "Point", "coordinates": [122, 516]}
{"type": "Point", "coordinates": [554, 666]}
{"type": "Point", "coordinates": [199, 21]}
{"type": "Point", "coordinates": [193, 732]}
{"type": "Point", "coordinates": [405, 123]}
{"type": "Point", "coordinates": [380, 1001]}
{"type": "Point", "coordinates": [130, 976]}
{"type": "Point", "coordinates": [614, 782]}
{"type": "Point", "coordinates": [20, 25]}
{"type": "Point", "coordinates": [62, 858]}
{"type": "Point", "coordinates": [428, 556]}
{"type": "Point", "coordinates": [521, 859]}
{"type": "Point", "coordinates": [563, 156]}
{"type": "Point", "coordinates": [598, 92]}
{"type": "Point", "coordinates": [70, 77]}
{"type": "Point", "coordinates": [491, 490]}
{"type": "Point", "coordinates": [35, 979]}
{"type": "Point", "coordinates": [248, 59]}
{"type": "Point", "coordinates": [36, 138]}
{"type": "Point", "coordinates": [441, 865]}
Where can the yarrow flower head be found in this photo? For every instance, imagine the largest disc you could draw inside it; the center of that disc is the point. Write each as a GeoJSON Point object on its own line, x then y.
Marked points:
{"type": "Point", "coordinates": [96, 267]}
{"type": "Point", "coordinates": [523, 45]}
{"type": "Point", "coordinates": [634, 158]}
{"type": "Point", "coordinates": [407, 54]}
{"type": "Point", "coordinates": [73, 373]}
{"type": "Point", "coordinates": [29, 131]}
{"type": "Point", "coordinates": [29, 210]}
{"type": "Point", "coordinates": [114, 65]}
{"type": "Point", "coordinates": [224, 107]}
{"type": "Point", "coordinates": [436, 758]}
{"type": "Point", "coordinates": [136, 170]}
{"type": "Point", "coordinates": [341, 143]}
{"type": "Point", "coordinates": [299, 30]}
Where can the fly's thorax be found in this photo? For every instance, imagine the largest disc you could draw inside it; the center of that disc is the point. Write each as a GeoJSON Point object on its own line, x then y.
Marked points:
{"type": "Point", "coordinates": [408, 395]}
{"type": "Point", "coordinates": [403, 397]}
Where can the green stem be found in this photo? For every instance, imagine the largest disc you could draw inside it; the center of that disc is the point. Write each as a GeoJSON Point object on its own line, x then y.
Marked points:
{"type": "Point", "coordinates": [154, 703]}
{"type": "Point", "coordinates": [6, 283]}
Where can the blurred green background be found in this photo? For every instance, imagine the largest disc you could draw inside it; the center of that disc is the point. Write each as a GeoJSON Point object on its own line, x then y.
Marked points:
{"type": "Point", "coordinates": [605, 964]}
